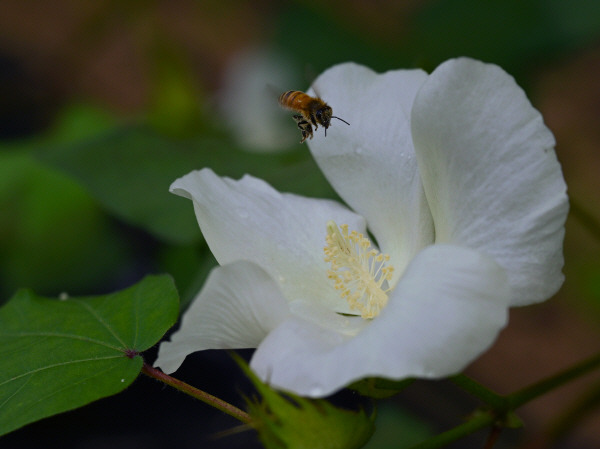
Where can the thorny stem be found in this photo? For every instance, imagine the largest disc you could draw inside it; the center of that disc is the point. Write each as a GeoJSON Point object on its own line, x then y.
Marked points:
{"type": "Point", "coordinates": [209, 399]}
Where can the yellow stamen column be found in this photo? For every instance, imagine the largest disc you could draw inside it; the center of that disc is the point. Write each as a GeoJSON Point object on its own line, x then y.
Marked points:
{"type": "Point", "coordinates": [358, 270]}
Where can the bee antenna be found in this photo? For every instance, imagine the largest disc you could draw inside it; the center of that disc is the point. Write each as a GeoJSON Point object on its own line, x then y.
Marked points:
{"type": "Point", "coordinates": [341, 119]}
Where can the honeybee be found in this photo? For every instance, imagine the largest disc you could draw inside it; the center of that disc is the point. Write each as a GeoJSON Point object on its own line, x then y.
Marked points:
{"type": "Point", "coordinates": [312, 112]}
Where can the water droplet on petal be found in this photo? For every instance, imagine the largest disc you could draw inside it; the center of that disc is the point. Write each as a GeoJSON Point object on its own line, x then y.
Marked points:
{"type": "Point", "coordinates": [316, 392]}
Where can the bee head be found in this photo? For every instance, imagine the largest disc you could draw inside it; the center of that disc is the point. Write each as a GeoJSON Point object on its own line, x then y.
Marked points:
{"type": "Point", "coordinates": [323, 116]}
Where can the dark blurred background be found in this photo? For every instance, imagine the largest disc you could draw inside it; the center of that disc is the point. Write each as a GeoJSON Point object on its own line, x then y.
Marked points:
{"type": "Point", "coordinates": [103, 104]}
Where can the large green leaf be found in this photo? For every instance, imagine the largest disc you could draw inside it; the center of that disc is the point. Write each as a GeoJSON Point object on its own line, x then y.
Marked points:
{"type": "Point", "coordinates": [56, 355]}
{"type": "Point", "coordinates": [53, 234]}
{"type": "Point", "coordinates": [516, 34]}
{"type": "Point", "coordinates": [129, 170]}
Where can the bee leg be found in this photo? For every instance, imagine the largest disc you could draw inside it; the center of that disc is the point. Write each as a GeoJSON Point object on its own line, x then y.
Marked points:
{"type": "Point", "coordinates": [305, 127]}
{"type": "Point", "coordinates": [300, 121]}
{"type": "Point", "coordinates": [306, 133]}
{"type": "Point", "coordinates": [313, 120]}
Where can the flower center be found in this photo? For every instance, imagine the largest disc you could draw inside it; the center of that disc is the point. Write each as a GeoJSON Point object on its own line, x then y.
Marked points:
{"type": "Point", "coordinates": [358, 270]}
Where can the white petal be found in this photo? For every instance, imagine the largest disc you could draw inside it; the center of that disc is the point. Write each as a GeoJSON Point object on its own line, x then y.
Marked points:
{"type": "Point", "coordinates": [447, 308]}
{"type": "Point", "coordinates": [282, 233]}
{"type": "Point", "coordinates": [490, 173]}
{"type": "Point", "coordinates": [237, 307]}
{"type": "Point", "coordinates": [346, 325]}
{"type": "Point", "coordinates": [371, 163]}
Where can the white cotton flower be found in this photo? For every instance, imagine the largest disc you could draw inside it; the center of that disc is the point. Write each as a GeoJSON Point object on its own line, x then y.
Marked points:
{"type": "Point", "coordinates": [456, 178]}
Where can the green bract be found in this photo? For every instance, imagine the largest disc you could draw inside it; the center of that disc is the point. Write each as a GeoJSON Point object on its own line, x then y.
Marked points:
{"type": "Point", "coordinates": [294, 422]}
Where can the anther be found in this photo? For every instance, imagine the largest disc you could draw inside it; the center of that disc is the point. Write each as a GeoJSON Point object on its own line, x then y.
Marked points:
{"type": "Point", "coordinates": [358, 270]}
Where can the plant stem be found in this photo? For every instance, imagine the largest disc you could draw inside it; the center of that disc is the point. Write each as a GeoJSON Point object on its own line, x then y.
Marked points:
{"type": "Point", "coordinates": [479, 421]}
{"type": "Point", "coordinates": [584, 405]}
{"type": "Point", "coordinates": [209, 399]}
{"type": "Point", "coordinates": [517, 399]}
{"type": "Point", "coordinates": [482, 393]}
{"type": "Point", "coordinates": [493, 437]}
{"type": "Point", "coordinates": [499, 408]}
{"type": "Point", "coordinates": [585, 217]}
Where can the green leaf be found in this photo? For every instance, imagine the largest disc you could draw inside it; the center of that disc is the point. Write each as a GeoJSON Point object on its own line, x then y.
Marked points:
{"type": "Point", "coordinates": [189, 266]}
{"type": "Point", "coordinates": [343, 43]}
{"type": "Point", "coordinates": [294, 422]}
{"type": "Point", "coordinates": [516, 34]}
{"type": "Point", "coordinates": [77, 122]}
{"type": "Point", "coordinates": [378, 388]}
{"type": "Point", "coordinates": [398, 428]}
{"type": "Point", "coordinates": [56, 355]}
{"type": "Point", "coordinates": [53, 234]}
{"type": "Point", "coordinates": [129, 170]}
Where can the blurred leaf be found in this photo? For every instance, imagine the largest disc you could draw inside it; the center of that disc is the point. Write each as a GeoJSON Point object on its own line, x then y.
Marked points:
{"type": "Point", "coordinates": [56, 355]}
{"type": "Point", "coordinates": [573, 23]}
{"type": "Point", "coordinates": [515, 34]}
{"type": "Point", "coordinates": [53, 236]}
{"type": "Point", "coordinates": [79, 121]}
{"type": "Point", "coordinates": [130, 170]}
{"type": "Point", "coordinates": [327, 40]}
{"type": "Point", "coordinates": [498, 30]}
{"type": "Point", "coordinates": [378, 388]}
{"type": "Point", "coordinates": [175, 96]}
{"type": "Point", "coordinates": [294, 422]}
{"type": "Point", "coordinates": [590, 280]}
{"type": "Point", "coordinates": [397, 428]}
{"type": "Point", "coordinates": [189, 265]}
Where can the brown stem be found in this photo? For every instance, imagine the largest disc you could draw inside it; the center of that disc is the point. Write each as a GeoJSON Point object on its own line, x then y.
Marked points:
{"type": "Point", "coordinates": [492, 437]}
{"type": "Point", "coordinates": [209, 399]}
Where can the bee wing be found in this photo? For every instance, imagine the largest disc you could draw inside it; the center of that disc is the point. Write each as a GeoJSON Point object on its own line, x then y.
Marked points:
{"type": "Point", "coordinates": [272, 91]}
{"type": "Point", "coordinates": [316, 91]}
